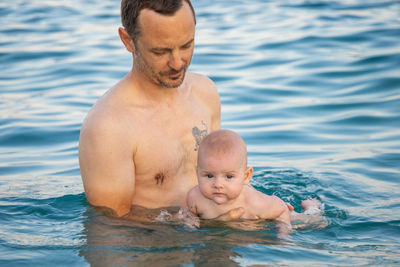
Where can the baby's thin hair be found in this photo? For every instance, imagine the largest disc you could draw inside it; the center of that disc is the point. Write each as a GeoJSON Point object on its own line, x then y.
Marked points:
{"type": "Point", "coordinates": [223, 141]}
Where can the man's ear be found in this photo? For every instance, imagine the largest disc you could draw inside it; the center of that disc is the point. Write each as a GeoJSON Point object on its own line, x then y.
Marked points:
{"type": "Point", "coordinates": [247, 175]}
{"type": "Point", "coordinates": [126, 39]}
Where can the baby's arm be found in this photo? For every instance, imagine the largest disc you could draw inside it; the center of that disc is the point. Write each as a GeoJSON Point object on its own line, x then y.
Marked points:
{"type": "Point", "coordinates": [191, 200]}
{"type": "Point", "coordinates": [188, 214]}
{"type": "Point", "coordinates": [281, 211]}
{"type": "Point", "coordinates": [272, 208]}
{"type": "Point", "coordinates": [282, 216]}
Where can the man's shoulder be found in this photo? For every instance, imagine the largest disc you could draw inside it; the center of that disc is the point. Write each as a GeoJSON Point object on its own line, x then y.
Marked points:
{"type": "Point", "coordinates": [199, 77]}
{"type": "Point", "coordinates": [204, 89]}
{"type": "Point", "coordinates": [103, 120]}
{"type": "Point", "coordinates": [201, 82]}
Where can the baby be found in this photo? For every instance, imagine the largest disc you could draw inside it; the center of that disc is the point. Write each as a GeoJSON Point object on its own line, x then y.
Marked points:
{"type": "Point", "coordinates": [224, 177]}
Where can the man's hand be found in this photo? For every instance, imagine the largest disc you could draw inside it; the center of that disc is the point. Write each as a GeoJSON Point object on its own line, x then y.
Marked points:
{"type": "Point", "coordinates": [231, 215]}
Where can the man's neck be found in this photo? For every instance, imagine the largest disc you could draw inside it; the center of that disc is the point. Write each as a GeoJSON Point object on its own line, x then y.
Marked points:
{"type": "Point", "coordinates": [155, 93]}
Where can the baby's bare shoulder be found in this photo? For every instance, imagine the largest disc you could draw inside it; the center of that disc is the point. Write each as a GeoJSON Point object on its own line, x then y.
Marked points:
{"type": "Point", "coordinates": [265, 206]}
{"type": "Point", "coordinates": [193, 194]}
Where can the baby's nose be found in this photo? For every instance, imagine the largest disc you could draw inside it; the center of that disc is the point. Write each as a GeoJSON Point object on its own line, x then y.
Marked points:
{"type": "Point", "coordinates": [218, 183]}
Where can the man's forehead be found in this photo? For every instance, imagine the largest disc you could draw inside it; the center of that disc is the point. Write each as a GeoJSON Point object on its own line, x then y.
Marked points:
{"type": "Point", "coordinates": [159, 30]}
{"type": "Point", "coordinates": [148, 16]}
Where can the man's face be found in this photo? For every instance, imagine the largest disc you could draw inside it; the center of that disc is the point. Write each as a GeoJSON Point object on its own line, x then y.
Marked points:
{"type": "Point", "coordinates": [164, 49]}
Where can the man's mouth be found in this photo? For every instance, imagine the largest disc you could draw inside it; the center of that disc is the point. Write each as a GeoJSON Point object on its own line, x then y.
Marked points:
{"type": "Point", "coordinates": [175, 74]}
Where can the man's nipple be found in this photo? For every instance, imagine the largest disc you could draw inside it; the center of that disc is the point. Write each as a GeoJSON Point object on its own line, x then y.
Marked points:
{"type": "Point", "coordinates": [160, 178]}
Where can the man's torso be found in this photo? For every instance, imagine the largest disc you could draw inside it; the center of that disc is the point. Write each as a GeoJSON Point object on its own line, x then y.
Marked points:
{"type": "Point", "coordinates": [164, 141]}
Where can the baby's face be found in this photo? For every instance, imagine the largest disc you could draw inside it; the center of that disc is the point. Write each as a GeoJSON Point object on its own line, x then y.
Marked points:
{"type": "Point", "coordinates": [221, 176]}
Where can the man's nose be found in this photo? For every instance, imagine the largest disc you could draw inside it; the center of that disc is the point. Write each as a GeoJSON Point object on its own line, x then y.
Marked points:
{"type": "Point", "coordinates": [175, 61]}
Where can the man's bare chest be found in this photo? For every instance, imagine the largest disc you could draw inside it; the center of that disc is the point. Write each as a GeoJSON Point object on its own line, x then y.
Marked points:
{"type": "Point", "coordinates": [167, 146]}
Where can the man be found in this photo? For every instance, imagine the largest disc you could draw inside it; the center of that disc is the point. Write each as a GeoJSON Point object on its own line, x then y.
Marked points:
{"type": "Point", "coordinates": [138, 143]}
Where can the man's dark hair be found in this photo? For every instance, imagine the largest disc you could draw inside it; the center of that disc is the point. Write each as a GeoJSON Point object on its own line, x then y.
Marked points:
{"type": "Point", "coordinates": [130, 10]}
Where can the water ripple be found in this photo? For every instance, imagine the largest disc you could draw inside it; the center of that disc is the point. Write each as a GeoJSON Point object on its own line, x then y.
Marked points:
{"type": "Point", "coordinates": [312, 86]}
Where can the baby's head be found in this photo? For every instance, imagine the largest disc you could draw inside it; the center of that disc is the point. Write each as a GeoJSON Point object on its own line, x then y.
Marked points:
{"type": "Point", "coordinates": [222, 166]}
{"type": "Point", "coordinates": [222, 143]}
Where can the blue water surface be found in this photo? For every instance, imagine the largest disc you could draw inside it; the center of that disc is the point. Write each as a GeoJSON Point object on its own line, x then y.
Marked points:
{"type": "Point", "coordinates": [312, 86]}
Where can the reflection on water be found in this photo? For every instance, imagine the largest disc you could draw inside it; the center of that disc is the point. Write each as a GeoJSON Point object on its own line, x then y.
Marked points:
{"type": "Point", "coordinates": [119, 242]}
{"type": "Point", "coordinates": [172, 243]}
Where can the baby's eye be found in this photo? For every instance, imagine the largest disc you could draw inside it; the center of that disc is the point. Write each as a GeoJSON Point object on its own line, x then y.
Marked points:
{"type": "Point", "coordinates": [209, 176]}
{"type": "Point", "coordinates": [229, 176]}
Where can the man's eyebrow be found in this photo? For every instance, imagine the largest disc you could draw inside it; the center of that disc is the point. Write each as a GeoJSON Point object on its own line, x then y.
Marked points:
{"type": "Point", "coordinates": [162, 49]}
{"type": "Point", "coordinates": [191, 41]}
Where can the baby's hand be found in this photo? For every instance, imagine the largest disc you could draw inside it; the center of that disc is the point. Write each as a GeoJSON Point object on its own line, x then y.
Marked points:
{"type": "Point", "coordinates": [290, 207]}
{"type": "Point", "coordinates": [188, 218]}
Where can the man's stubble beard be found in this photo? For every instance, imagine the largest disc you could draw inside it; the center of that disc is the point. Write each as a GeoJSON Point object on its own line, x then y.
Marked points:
{"type": "Point", "coordinates": [176, 83]}
{"type": "Point", "coordinates": [148, 71]}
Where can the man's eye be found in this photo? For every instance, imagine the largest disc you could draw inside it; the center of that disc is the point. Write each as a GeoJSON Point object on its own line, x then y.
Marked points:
{"type": "Point", "coordinates": [209, 176]}
{"type": "Point", "coordinates": [188, 45]}
{"type": "Point", "coordinates": [158, 53]}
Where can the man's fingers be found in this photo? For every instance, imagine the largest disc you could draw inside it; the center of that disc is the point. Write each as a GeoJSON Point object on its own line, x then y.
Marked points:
{"type": "Point", "coordinates": [231, 215]}
{"type": "Point", "coordinates": [236, 213]}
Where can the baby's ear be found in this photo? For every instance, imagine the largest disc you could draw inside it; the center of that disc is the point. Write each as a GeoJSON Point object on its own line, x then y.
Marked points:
{"type": "Point", "coordinates": [248, 174]}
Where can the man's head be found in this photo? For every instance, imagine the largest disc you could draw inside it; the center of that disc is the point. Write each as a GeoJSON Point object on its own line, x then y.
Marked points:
{"type": "Point", "coordinates": [130, 10]}
{"type": "Point", "coordinates": [160, 35]}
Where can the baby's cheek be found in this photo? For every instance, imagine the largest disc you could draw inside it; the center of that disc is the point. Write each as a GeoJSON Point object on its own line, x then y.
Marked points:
{"type": "Point", "coordinates": [204, 188]}
{"type": "Point", "coordinates": [235, 191]}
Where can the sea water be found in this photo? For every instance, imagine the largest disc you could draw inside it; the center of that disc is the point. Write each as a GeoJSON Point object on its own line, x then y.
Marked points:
{"type": "Point", "coordinates": [312, 86]}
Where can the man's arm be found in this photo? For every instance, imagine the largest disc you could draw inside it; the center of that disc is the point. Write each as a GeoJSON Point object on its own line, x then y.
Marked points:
{"type": "Point", "coordinates": [207, 93]}
{"type": "Point", "coordinates": [106, 163]}
{"type": "Point", "coordinates": [216, 108]}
